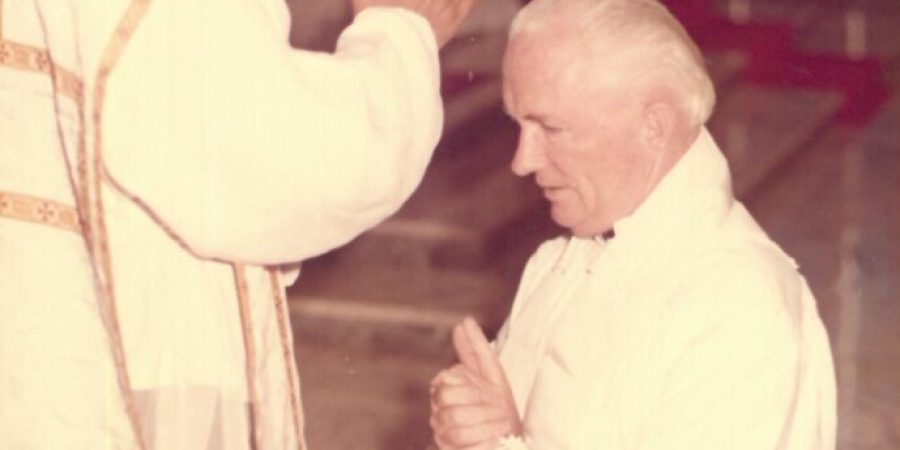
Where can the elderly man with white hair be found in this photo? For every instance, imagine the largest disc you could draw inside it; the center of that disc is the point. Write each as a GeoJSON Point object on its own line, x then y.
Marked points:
{"type": "Point", "coordinates": [668, 320]}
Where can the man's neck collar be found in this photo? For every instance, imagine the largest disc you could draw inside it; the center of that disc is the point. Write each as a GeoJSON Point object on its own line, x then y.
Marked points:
{"type": "Point", "coordinates": [699, 180]}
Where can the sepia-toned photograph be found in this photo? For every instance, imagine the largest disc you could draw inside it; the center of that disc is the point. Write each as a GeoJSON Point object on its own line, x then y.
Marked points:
{"type": "Point", "coordinates": [449, 224]}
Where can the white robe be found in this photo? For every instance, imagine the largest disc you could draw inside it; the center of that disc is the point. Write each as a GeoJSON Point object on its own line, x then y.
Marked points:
{"type": "Point", "coordinates": [690, 329]}
{"type": "Point", "coordinates": [158, 160]}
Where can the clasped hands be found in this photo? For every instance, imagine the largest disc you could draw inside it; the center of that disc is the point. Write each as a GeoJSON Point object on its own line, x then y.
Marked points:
{"type": "Point", "coordinates": [472, 405]}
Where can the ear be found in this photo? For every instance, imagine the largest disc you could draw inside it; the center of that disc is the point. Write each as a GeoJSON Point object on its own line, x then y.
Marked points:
{"type": "Point", "coordinates": [659, 121]}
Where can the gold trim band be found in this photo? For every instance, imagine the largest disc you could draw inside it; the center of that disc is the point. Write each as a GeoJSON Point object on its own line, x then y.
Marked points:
{"type": "Point", "coordinates": [95, 219]}
{"type": "Point", "coordinates": [24, 57]}
{"type": "Point", "coordinates": [243, 297]}
{"type": "Point", "coordinates": [39, 210]}
{"type": "Point", "coordinates": [287, 353]}
{"type": "Point", "coordinates": [38, 60]}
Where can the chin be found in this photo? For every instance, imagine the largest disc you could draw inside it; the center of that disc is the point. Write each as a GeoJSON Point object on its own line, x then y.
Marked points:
{"type": "Point", "coordinates": [563, 221]}
{"type": "Point", "coordinates": [572, 226]}
{"type": "Point", "coordinates": [578, 223]}
{"type": "Point", "coordinates": [581, 233]}
{"type": "Point", "coordinates": [586, 230]}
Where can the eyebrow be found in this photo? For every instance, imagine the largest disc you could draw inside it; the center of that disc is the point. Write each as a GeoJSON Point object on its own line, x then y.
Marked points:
{"type": "Point", "coordinates": [531, 117]}
{"type": "Point", "coordinates": [542, 119]}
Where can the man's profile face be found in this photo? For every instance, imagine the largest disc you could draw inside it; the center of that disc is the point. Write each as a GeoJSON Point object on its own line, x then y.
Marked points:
{"type": "Point", "coordinates": [579, 138]}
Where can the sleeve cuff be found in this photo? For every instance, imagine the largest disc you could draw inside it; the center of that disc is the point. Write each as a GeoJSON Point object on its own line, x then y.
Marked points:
{"type": "Point", "coordinates": [513, 443]}
{"type": "Point", "coordinates": [388, 18]}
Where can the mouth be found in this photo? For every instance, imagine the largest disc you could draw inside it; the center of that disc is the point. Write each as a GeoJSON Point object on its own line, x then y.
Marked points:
{"type": "Point", "coordinates": [552, 193]}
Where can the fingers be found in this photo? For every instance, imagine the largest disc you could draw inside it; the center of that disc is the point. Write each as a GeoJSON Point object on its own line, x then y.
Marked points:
{"type": "Point", "coordinates": [444, 16]}
{"type": "Point", "coordinates": [455, 375]}
{"type": "Point", "coordinates": [471, 435]}
{"type": "Point", "coordinates": [486, 445]}
{"type": "Point", "coordinates": [463, 9]}
{"type": "Point", "coordinates": [457, 386]}
{"type": "Point", "coordinates": [467, 415]}
{"type": "Point", "coordinates": [464, 409]}
{"type": "Point", "coordinates": [464, 348]}
{"type": "Point", "coordinates": [486, 361]}
{"type": "Point", "coordinates": [471, 346]}
{"type": "Point", "coordinates": [447, 395]}
{"type": "Point", "coordinates": [472, 405]}
{"type": "Point", "coordinates": [476, 353]}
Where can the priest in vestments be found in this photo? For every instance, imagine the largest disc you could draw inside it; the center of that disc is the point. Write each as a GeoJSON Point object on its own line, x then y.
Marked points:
{"type": "Point", "coordinates": [164, 166]}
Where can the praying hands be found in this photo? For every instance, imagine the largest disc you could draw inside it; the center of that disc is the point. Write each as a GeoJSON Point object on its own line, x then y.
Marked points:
{"type": "Point", "coordinates": [472, 406]}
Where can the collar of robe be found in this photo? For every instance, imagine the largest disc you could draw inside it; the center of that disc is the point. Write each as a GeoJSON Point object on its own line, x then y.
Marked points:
{"type": "Point", "coordinates": [695, 195]}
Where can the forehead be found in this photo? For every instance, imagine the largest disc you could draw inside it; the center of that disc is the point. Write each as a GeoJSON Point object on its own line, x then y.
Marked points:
{"type": "Point", "coordinates": [537, 65]}
{"type": "Point", "coordinates": [546, 79]}
{"type": "Point", "coordinates": [544, 50]}
{"type": "Point", "coordinates": [557, 60]}
{"type": "Point", "coordinates": [546, 87]}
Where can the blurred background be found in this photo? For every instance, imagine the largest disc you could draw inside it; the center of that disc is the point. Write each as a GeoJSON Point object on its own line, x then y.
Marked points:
{"type": "Point", "coordinates": [808, 114]}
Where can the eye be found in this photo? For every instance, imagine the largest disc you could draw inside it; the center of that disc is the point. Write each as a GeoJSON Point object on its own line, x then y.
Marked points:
{"type": "Point", "coordinates": [550, 129]}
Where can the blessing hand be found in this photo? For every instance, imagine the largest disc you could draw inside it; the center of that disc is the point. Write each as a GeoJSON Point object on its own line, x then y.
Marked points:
{"type": "Point", "coordinates": [445, 16]}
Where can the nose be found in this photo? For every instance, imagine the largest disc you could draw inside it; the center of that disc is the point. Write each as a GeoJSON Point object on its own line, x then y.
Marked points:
{"type": "Point", "coordinates": [529, 156]}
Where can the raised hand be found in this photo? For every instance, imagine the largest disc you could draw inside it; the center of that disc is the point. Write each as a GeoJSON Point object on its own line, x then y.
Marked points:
{"type": "Point", "coordinates": [472, 404]}
{"type": "Point", "coordinates": [445, 16]}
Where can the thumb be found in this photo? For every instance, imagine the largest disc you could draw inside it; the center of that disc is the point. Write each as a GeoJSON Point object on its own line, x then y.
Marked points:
{"type": "Point", "coordinates": [485, 358]}
{"type": "Point", "coordinates": [464, 349]}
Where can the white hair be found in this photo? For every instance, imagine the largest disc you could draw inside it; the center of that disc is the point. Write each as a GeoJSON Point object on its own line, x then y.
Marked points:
{"type": "Point", "coordinates": [635, 39]}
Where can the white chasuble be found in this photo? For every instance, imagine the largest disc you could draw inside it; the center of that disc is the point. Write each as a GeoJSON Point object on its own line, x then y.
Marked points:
{"type": "Point", "coordinates": [163, 167]}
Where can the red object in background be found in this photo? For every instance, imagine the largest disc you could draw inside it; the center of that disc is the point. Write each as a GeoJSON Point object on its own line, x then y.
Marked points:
{"type": "Point", "coordinates": [773, 59]}
{"type": "Point", "coordinates": [859, 80]}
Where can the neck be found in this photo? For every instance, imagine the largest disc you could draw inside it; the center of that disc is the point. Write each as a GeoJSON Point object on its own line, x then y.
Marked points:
{"type": "Point", "coordinates": [679, 142]}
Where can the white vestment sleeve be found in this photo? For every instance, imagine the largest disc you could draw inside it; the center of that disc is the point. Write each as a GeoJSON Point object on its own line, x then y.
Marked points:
{"type": "Point", "coordinates": [249, 150]}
